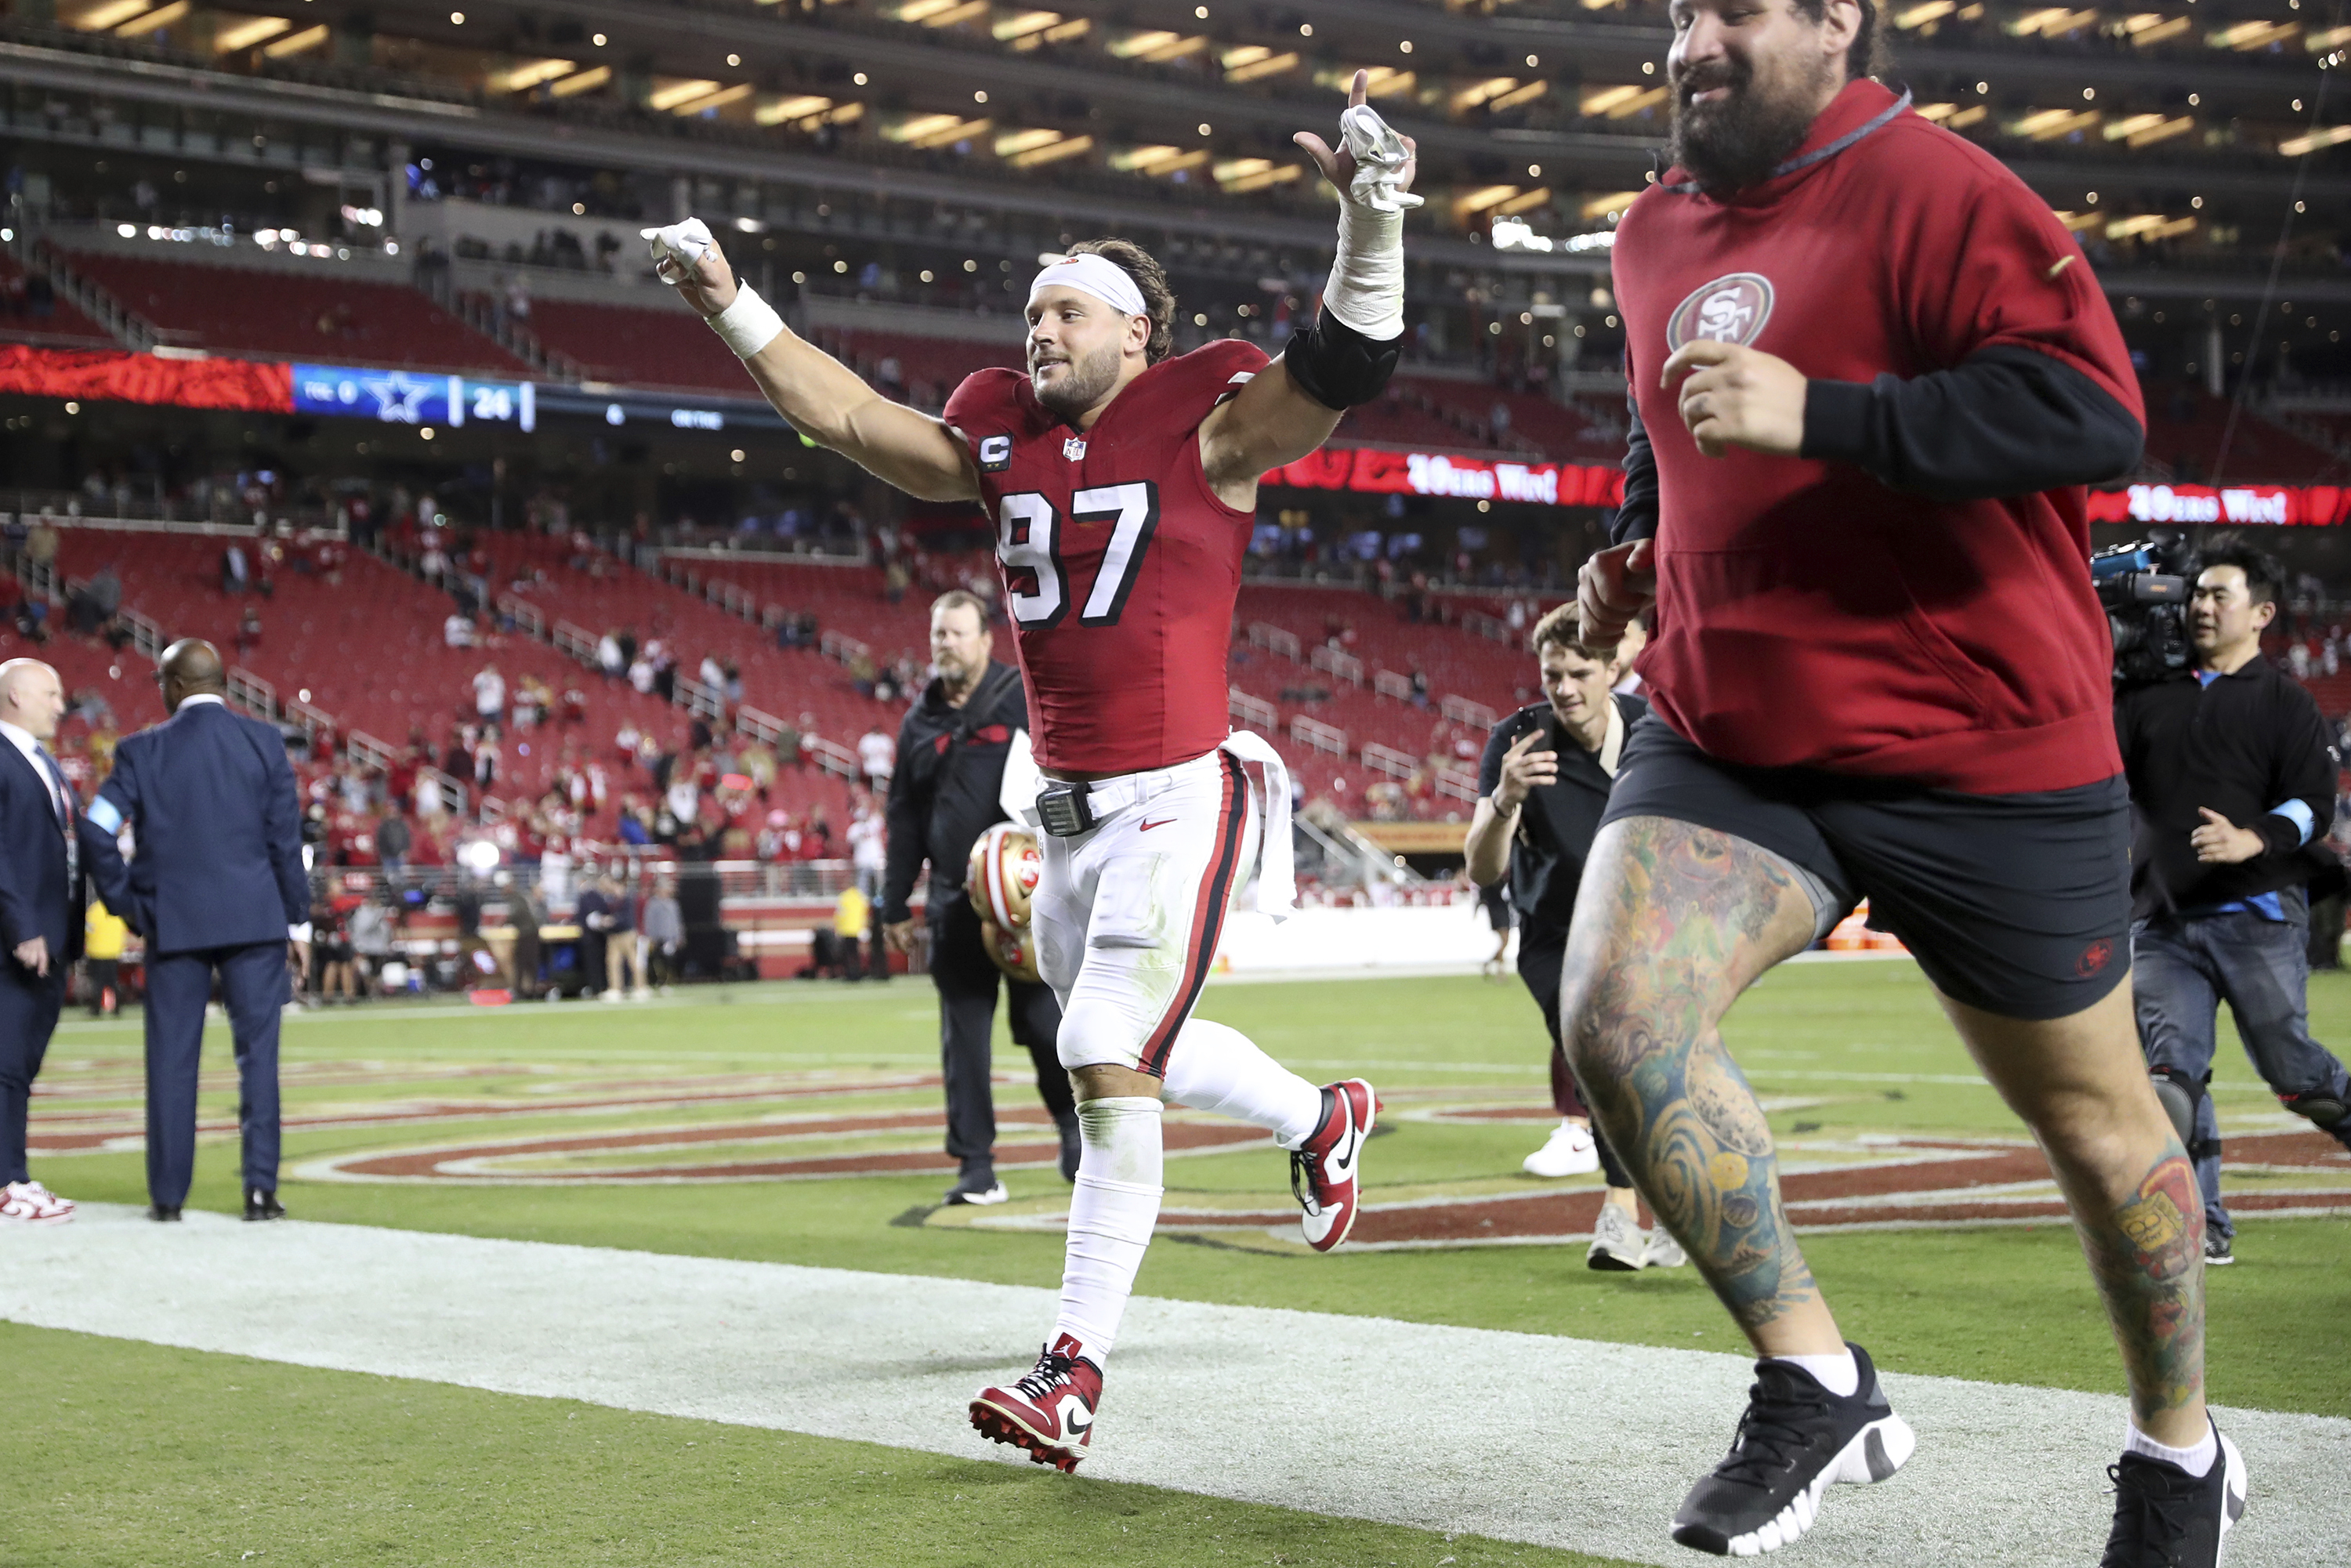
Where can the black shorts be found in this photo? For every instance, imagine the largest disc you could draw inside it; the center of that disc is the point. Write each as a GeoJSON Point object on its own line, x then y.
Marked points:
{"type": "Point", "coordinates": [2016, 904]}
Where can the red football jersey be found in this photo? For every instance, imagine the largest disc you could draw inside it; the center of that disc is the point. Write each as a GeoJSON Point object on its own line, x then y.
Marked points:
{"type": "Point", "coordinates": [1120, 566]}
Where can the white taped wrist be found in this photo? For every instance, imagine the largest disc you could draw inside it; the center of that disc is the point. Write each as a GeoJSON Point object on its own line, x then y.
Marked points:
{"type": "Point", "coordinates": [1366, 286]}
{"type": "Point", "coordinates": [748, 325]}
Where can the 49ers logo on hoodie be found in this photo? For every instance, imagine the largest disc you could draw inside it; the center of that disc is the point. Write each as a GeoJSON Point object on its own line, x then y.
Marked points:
{"type": "Point", "coordinates": [1728, 310]}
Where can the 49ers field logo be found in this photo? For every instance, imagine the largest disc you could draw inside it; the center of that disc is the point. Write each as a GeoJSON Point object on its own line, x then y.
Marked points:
{"type": "Point", "coordinates": [1728, 310]}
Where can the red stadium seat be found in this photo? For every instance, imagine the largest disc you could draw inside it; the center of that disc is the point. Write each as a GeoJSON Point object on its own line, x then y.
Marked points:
{"type": "Point", "coordinates": [323, 316]}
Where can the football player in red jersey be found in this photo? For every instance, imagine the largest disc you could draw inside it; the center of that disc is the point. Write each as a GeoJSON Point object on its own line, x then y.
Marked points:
{"type": "Point", "coordinates": [1124, 483]}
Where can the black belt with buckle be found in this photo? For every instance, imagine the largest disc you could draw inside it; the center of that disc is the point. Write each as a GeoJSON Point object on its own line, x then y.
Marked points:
{"type": "Point", "coordinates": [1063, 810]}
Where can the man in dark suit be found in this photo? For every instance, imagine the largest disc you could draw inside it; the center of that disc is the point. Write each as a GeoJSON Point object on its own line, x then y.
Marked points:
{"type": "Point", "coordinates": [40, 917]}
{"type": "Point", "coordinates": [216, 884]}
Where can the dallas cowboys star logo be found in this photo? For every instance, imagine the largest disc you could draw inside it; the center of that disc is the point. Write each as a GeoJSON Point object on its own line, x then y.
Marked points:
{"type": "Point", "coordinates": [397, 395]}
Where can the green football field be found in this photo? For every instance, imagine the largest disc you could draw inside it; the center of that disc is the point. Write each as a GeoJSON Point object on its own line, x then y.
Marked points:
{"type": "Point", "coordinates": [795, 1124]}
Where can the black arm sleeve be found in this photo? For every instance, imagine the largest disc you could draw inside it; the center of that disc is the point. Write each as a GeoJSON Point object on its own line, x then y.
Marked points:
{"type": "Point", "coordinates": [1636, 517]}
{"type": "Point", "coordinates": [909, 838]}
{"type": "Point", "coordinates": [2008, 421]}
{"type": "Point", "coordinates": [2306, 771]}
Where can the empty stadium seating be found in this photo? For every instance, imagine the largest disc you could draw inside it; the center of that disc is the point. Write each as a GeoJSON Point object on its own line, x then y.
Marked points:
{"type": "Point", "coordinates": [31, 313]}
{"type": "Point", "coordinates": [657, 345]}
{"type": "Point", "coordinates": [325, 317]}
{"type": "Point", "coordinates": [2185, 427]}
{"type": "Point", "coordinates": [785, 682]}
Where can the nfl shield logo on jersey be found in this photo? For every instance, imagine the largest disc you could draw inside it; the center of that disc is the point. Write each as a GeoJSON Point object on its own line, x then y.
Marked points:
{"type": "Point", "coordinates": [1073, 447]}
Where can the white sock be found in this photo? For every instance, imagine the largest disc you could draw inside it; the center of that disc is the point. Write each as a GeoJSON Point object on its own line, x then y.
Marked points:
{"type": "Point", "coordinates": [1111, 1215]}
{"type": "Point", "coordinates": [2197, 1461]}
{"type": "Point", "coordinates": [1839, 1373]}
{"type": "Point", "coordinates": [1216, 1068]}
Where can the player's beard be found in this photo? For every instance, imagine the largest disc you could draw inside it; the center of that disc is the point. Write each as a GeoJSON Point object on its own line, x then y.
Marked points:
{"type": "Point", "coordinates": [1736, 141]}
{"type": "Point", "coordinates": [1087, 380]}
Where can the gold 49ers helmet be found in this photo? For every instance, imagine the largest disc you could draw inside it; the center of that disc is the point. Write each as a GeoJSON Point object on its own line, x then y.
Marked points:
{"type": "Point", "coordinates": [1002, 875]}
{"type": "Point", "coordinates": [1014, 951]}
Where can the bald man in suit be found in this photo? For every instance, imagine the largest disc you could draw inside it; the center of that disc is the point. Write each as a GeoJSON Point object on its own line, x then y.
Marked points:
{"type": "Point", "coordinates": [217, 886]}
{"type": "Point", "coordinates": [40, 917]}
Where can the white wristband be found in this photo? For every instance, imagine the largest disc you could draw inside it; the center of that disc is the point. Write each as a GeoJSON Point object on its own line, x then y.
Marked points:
{"type": "Point", "coordinates": [751, 324]}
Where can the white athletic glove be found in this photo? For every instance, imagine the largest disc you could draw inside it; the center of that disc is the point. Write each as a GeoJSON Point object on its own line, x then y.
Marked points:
{"type": "Point", "coordinates": [1366, 286]}
{"type": "Point", "coordinates": [680, 243]}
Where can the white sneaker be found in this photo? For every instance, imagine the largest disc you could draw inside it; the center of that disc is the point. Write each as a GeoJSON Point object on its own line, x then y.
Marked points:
{"type": "Point", "coordinates": [1616, 1243]}
{"type": "Point", "coordinates": [641, 994]}
{"type": "Point", "coordinates": [30, 1203]}
{"type": "Point", "coordinates": [610, 995]}
{"type": "Point", "coordinates": [1570, 1151]}
{"type": "Point", "coordinates": [1661, 1250]}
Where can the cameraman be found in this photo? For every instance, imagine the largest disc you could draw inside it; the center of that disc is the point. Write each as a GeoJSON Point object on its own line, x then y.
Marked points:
{"type": "Point", "coordinates": [959, 742]}
{"type": "Point", "coordinates": [2232, 774]}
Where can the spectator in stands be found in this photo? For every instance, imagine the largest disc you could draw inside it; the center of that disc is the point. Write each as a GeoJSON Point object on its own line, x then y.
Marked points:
{"type": "Point", "coordinates": [41, 543]}
{"type": "Point", "coordinates": [1420, 685]}
{"type": "Point", "coordinates": [712, 675]}
{"type": "Point", "coordinates": [31, 618]}
{"type": "Point", "coordinates": [489, 695]}
{"type": "Point", "coordinates": [236, 572]}
{"type": "Point", "coordinates": [392, 841]}
{"type": "Point", "coordinates": [862, 672]}
{"type": "Point", "coordinates": [457, 631]}
{"type": "Point", "coordinates": [487, 755]}
{"type": "Point", "coordinates": [531, 701]}
{"type": "Point", "coordinates": [877, 757]}
{"type": "Point", "coordinates": [609, 657]}
{"type": "Point", "coordinates": [95, 601]}
{"type": "Point", "coordinates": [248, 632]}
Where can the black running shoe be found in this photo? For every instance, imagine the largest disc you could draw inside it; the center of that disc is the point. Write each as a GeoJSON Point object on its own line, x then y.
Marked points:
{"type": "Point", "coordinates": [1795, 1439]}
{"type": "Point", "coordinates": [2166, 1517]}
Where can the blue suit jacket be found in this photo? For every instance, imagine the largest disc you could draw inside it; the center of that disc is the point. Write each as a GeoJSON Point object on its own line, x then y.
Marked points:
{"type": "Point", "coordinates": [34, 898]}
{"type": "Point", "coordinates": [218, 855]}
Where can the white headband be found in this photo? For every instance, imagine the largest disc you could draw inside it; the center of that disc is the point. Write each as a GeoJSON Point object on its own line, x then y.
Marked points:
{"type": "Point", "coordinates": [1095, 274]}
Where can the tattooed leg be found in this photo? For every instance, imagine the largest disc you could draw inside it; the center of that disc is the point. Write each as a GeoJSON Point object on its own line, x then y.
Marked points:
{"type": "Point", "coordinates": [2080, 1084]}
{"type": "Point", "coordinates": [1672, 922]}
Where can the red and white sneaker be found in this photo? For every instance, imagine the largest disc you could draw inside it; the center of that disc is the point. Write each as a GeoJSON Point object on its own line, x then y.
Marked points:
{"type": "Point", "coordinates": [30, 1203]}
{"type": "Point", "coordinates": [1050, 1412]}
{"type": "Point", "coordinates": [1322, 1168]}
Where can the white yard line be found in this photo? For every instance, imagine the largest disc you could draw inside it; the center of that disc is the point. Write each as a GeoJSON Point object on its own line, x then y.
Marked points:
{"type": "Point", "coordinates": [1561, 1442]}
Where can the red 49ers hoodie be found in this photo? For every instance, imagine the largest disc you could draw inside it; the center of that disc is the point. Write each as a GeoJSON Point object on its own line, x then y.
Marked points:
{"type": "Point", "coordinates": [1909, 598]}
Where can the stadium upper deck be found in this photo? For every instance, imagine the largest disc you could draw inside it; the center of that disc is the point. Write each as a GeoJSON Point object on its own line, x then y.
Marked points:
{"type": "Point", "coordinates": [931, 139]}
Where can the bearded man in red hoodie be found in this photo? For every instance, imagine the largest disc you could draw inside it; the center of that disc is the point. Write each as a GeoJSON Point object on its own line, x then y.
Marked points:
{"type": "Point", "coordinates": [1871, 374]}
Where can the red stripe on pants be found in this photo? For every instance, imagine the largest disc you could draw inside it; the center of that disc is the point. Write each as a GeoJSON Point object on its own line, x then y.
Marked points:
{"type": "Point", "coordinates": [1207, 919]}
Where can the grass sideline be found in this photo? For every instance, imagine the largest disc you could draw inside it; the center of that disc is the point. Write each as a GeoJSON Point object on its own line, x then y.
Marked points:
{"type": "Point", "coordinates": [1849, 1047]}
{"type": "Point", "coordinates": [149, 1454]}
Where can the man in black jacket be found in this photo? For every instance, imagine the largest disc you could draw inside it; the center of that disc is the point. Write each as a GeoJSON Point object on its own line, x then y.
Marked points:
{"type": "Point", "coordinates": [2232, 771]}
{"type": "Point", "coordinates": [949, 786]}
{"type": "Point", "coordinates": [1541, 788]}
